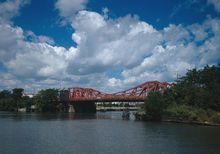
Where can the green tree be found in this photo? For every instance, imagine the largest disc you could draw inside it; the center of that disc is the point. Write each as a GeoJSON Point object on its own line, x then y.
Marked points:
{"type": "Point", "coordinates": [200, 88]}
{"type": "Point", "coordinates": [155, 106]}
{"type": "Point", "coordinates": [5, 94]}
{"type": "Point", "coordinates": [26, 102]}
{"type": "Point", "coordinates": [210, 77]}
{"type": "Point", "coordinates": [7, 103]}
{"type": "Point", "coordinates": [195, 96]}
{"type": "Point", "coordinates": [47, 100]}
{"type": "Point", "coordinates": [17, 94]}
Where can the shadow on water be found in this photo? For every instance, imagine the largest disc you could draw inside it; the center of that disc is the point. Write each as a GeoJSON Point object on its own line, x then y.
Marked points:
{"type": "Point", "coordinates": [60, 116]}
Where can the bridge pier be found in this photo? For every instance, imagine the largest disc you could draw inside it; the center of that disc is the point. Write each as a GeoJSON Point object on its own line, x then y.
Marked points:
{"type": "Point", "coordinates": [84, 107]}
{"type": "Point", "coordinates": [71, 109]}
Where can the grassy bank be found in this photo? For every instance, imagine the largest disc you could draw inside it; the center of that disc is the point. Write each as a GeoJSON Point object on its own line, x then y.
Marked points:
{"type": "Point", "coordinates": [191, 114]}
{"type": "Point", "coordinates": [183, 114]}
{"type": "Point", "coordinates": [194, 99]}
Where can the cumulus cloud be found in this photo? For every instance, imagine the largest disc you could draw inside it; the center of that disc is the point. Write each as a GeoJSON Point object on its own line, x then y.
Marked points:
{"type": "Point", "coordinates": [68, 8]}
{"type": "Point", "coordinates": [210, 50]}
{"type": "Point", "coordinates": [10, 8]}
{"type": "Point", "coordinates": [30, 36]}
{"type": "Point", "coordinates": [215, 3]}
{"type": "Point", "coordinates": [10, 39]}
{"type": "Point", "coordinates": [200, 32]}
{"type": "Point", "coordinates": [136, 48]}
{"type": "Point", "coordinates": [142, 52]}
{"type": "Point", "coordinates": [176, 54]}
{"type": "Point", "coordinates": [106, 43]}
{"type": "Point", "coordinates": [163, 65]}
{"type": "Point", "coordinates": [30, 59]}
{"type": "Point", "coordinates": [38, 60]}
{"type": "Point", "coordinates": [176, 34]}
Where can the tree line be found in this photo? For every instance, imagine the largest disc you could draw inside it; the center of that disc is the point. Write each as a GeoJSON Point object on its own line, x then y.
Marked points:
{"type": "Point", "coordinates": [195, 97]}
{"type": "Point", "coordinates": [44, 100]}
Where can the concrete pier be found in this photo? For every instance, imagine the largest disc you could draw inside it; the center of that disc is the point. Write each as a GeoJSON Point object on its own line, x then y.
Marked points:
{"type": "Point", "coordinates": [102, 108]}
{"type": "Point", "coordinates": [84, 107]}
{"type": "Point", "coordinates": [71, 109]}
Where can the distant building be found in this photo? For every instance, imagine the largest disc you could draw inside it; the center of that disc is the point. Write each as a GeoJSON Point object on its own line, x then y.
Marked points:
{"type": "Point", "coordinates": [28, 94]}
{"type": "Point", "coordinates": [22, 110]}
{"type": "Point", "coordinates": [33, 108]}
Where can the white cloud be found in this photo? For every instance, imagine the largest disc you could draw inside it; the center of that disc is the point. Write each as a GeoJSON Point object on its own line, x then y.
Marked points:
{"type": "Point", "coordinates": [200, 32]}
{"type": "Point", "coordinates": [10, 40]}
{"type": "Point", "coordinates": [113, 82]}
{"type": "Point", "coordinates": [68, 8]}
{"type": "Point", "coordinates": [215, 3]}
{"type": "Point", "coordinates": [210, 50]}
{"type": "Point", "coordinates": [176, 34]}
{"type": "Point", "coordinates": [106, 43]}
{"type": "Point", "coordinates": [10, 8]}
{"type": "Point", "coordinates": [31, 59]}
{"type": "Point", "coordinates": [38, 60]}
{"type": "Point", "coordinates": [29, 35]}
{"type": "Point", "coordinates": [130, 45]}
{"type": "Point", "coordinates": [174, 57]}
{"type": "Point", "coordinates": [163, 65]}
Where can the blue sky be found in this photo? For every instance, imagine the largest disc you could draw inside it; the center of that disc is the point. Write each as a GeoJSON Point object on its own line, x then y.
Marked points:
{"type": "Point", "coordinates": [108, 45]}
{"type": "Point", "coordinates": [46, 21]}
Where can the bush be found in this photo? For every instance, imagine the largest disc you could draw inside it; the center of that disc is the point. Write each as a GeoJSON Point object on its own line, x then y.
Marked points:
{"type": "Point", "coordinates": [185, 112]}
{"type": "Point", "coordinates": [155, 106]}
{"type": "Point", "coordinates": [215, 118]}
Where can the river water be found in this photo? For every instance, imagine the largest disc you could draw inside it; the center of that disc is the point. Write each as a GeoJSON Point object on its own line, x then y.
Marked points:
{"type": "Point", "coordinates": [103, 133]}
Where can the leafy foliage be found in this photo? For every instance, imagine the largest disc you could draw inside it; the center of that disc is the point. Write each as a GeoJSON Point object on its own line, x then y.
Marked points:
{"type": "Point", "coordinates": [47, 100]}
{"type": "Point", "coordinates": [154, 106]}
{"type": "Point", "coordinates": [200, 88]}
{"type": "Point", "coordinates": [11, 101]}
{"type": "Point", "coordinates": [194, 94]}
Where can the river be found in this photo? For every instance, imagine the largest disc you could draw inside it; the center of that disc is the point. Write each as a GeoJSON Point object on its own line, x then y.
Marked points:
{"type": "Point", "coordinates": [102, 133]}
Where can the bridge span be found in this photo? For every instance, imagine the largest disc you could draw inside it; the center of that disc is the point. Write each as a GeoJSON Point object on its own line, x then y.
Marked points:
{"type": "Point", "coordinates": [79, 97]}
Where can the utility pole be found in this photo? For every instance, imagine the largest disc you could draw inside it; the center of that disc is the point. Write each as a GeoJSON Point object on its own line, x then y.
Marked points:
{"type": "Point", "coordinates": [177, 75]}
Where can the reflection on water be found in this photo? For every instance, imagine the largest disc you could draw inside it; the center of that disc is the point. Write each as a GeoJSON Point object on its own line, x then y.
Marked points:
{"type": "Point", "coordinates": [101, 133]}
{"type": "Point", "coordinates": [116, 115]}
{"type": "Point", "coordinates": [62, 116]}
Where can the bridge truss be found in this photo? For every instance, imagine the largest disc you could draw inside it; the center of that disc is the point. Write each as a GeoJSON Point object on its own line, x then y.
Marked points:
{"type": "Point", "coordinates": [136, 94]}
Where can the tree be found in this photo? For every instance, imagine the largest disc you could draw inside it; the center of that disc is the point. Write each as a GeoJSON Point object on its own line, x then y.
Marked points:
{"type": "Point", "coordinates": [47, 100]}
{"type": "Point", "coordinates": [155, 106]}
{"type": "Point", "coordinates": [17, 94]}
{"type": "Point", "coordinates": [6, 101]}
{"type": "Point", "coordinates": [5, 94]}
{"type": "Point", "coordinates": [26, 102]}
{"type": "Point", "coordinates": [198, 90]}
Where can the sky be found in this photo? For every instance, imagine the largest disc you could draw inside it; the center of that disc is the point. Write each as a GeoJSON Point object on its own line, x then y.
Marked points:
{"type": "Point", "coordinates": [108, 45]}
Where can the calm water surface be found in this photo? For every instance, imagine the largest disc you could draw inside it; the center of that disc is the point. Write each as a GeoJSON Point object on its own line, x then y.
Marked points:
{"type": "Point", "coordinates": [103, 133]}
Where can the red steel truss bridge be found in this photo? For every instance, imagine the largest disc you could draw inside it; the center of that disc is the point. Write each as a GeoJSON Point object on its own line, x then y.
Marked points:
{"type": "Point", "coordinates": [136, 94]}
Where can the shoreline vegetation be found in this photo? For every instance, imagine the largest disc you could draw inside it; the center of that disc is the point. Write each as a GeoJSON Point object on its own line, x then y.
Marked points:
{"type": "Point", "coordinates": [195, 99]}
{"type": "Point", "coordinates": [44, 101]}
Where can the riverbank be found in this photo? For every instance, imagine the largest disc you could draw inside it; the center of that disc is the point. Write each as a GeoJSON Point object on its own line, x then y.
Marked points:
{"type": "Point", "coordinates": [194, 99]}
{"type": "Point", "coordinates": [190, 122]}
{"type": "Point", "coordinates": [202, 119]}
